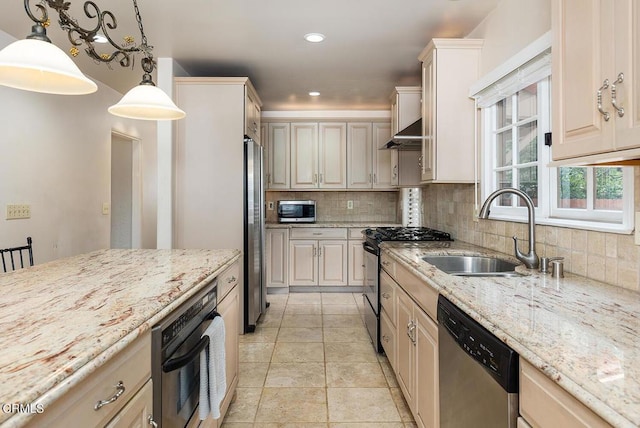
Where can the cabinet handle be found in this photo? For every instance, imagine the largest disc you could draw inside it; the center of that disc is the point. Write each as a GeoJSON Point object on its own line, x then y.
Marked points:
{"type": "Point", "coordinates": [315, 178]}
{"type": "Point", "coordinates": [320, 252]}
{"type": "Point", "coordinates": [151, 422]}
{"type": "Point", "coordinates": [119, 391]}
{"type": "Point", "coordinates": [321, 178]}
{"type": "Point", "coordinates": [614, 94]}
{"type": "Point", "coordinates": [395, 171]}
{"type": "Point", "coordinates": [269, 178]}
{"type": "Point", "coordinates": [420, 161]}
{"type": "Point", "coordinates": [375, 179]}
{"type": "Point", "coordinates": [386, 295]}
{"type": "Point", "coordinates": [232, 279]}
{"type": "Point", "coordinates": [385, 263]}
{"type": "Point", "coordinates": [369, 177]}
{"type": "Point", "coordinates": [604, 86]}
{"type": "Point", "coordinates": [385, 338]}
{"type": "Point", "coordinates": [315, 251]}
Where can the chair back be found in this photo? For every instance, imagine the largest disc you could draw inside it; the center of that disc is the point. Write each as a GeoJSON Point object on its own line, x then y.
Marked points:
{"type": "Point", "coordinates": [10, 256]}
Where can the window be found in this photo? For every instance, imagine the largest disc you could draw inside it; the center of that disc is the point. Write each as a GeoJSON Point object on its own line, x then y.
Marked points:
{"type": "Point", "coordinates": [515, 103]}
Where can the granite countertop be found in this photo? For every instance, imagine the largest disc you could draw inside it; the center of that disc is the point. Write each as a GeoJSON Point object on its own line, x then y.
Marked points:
{"type": "Point", "coordinates": [583, 334]}
{"type": "Point", "coordinates": [331, 224]}
{"type": "Point", "coordinates": [62, 320]}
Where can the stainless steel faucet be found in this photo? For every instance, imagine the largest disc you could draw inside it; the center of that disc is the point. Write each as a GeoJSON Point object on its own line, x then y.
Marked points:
{"type": "Point", "coordinates": [530, 260]}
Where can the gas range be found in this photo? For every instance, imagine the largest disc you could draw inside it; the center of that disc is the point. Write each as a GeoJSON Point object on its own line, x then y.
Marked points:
{"type": "Point", "coordinates": [380, 234]}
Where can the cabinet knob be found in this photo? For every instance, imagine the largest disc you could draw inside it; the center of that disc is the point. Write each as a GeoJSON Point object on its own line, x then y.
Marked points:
{"type": "Point", "coordinates": [232, 279]}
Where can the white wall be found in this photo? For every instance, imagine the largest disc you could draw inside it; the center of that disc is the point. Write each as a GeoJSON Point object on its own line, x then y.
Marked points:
{"type": "Point", "coordinates": [511, 26]}
{"type": "Point", "coordinates": [55, 156]}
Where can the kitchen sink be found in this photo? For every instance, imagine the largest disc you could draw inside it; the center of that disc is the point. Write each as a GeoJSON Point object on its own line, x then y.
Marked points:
{"type": "Point", "coordinates": [464, 265]}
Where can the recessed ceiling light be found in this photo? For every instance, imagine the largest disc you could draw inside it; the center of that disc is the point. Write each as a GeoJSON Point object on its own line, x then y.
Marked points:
{"type": "Point", "coordinates": [314, 37]}
{"type": "Point", "coordinates": [314, 93]}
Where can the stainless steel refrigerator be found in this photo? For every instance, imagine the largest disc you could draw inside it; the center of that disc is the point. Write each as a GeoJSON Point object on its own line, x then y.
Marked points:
{"type": "Point", "coordinates": [255, 290]}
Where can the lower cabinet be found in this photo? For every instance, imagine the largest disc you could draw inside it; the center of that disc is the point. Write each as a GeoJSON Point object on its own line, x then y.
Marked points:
{"type": "Point", "coordinates": [356, 257]}
{"type": "Point", "coordinates": [544, 403]}
{"type": "Point", "coordinates": [277, 258]}
{"type": "Point", "coordinates": [229, 309]}
{"type": "Point", "coordinates": [127, 376]}
{"type": "Point", "coordinates": [320, 261]}
{"type": "Point", "coordinates": [415, 359]}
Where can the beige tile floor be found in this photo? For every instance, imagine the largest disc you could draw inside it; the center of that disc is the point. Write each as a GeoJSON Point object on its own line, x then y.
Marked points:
{"type": "Point", "coordinates": [310, 364]}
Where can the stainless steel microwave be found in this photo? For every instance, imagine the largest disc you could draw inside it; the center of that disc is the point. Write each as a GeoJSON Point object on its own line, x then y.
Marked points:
{"type": "Point", "coordinates": [296, 211]}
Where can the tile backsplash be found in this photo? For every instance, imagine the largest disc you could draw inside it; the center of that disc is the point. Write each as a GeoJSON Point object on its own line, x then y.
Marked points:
{"type": "Point", "coordinates": [378, 207]}
{"type": "Point", "coordinates": [607, 257]}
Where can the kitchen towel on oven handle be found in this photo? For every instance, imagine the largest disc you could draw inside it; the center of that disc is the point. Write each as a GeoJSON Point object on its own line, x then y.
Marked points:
{"type": "Point", "coordinates": [213, 382]}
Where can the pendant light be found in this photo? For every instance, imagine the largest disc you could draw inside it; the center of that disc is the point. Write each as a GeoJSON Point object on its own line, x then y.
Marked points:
{"type": "Point", "coordinates": [35, 64]}
{"type": "Point", "coordinates": [146, 101]}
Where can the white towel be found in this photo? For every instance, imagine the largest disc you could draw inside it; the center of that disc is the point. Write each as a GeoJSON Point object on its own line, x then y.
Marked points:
{"type": "Point", "coordinates": [213, 374]}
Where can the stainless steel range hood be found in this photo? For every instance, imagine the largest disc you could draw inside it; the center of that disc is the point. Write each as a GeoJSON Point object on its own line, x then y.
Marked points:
{"type": "Point", "coordinates": [410, 138]}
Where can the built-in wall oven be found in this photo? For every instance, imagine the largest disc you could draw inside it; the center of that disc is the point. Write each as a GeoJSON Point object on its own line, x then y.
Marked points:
{"type": "Point", "coordinates": [371, 246]}
{"type": "Point", "coordinates": [175, 358]}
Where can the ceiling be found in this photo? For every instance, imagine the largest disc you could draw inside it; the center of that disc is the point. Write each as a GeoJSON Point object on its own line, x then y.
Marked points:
{"type": "Point", "coordinates": [370, 47]}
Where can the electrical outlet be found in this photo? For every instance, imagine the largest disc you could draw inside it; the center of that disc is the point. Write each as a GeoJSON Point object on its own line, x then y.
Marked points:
{"type": "Point", "coordinates": [17, 211]}
{"type": "Point", "coordinates": [349, 205]}
{"type": "Point", "coordinates": [270, 205]}
{"type": "Point", "coordinates": [106, 208]}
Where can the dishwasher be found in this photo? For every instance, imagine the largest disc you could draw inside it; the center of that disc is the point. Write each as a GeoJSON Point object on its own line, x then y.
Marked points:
{"type": "Point", "coordinates": [478, 373]}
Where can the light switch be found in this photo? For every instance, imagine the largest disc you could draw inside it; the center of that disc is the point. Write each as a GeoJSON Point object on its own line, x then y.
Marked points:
{"type": "Point", "coordinates": [17, 211]}
{"type": "Point", "coordinates": [106, 208]}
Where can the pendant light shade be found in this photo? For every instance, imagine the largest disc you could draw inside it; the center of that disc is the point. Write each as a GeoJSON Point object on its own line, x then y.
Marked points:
{"type": "Point", "coordinates": [147, 102]}
{"type": "Point", "coordinates": [39, 66]}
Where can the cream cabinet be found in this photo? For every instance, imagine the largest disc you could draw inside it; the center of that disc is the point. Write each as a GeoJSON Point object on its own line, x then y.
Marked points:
{"type": "Point", "coordinates": [596, 91]}
{"type": "Point", "coordinates": [278, 161]}
{"type": "Point", "coordinates": [127, 375]}
{"type": "Point", "coordinates": [449, 67]}
{"type": "Point", "coordinates": [413, 348]}
{"type": "Point", "coordinates": [229, 309]}
{"type": "Point", "coordinates": [543, 403]}
{"type": "Point", "coordinates": [385, 162]}
{"type": "Point", "coordinates": [356, 257]}
{"type": "Point", "coordinates": [406, 108]}
{"type": "Point", "coordinates": [318, 155]}
{"type": "Point", "coordinates": [359, 155]}
{"type": "Point", "coordinates": [252, 113]}
{"type": "Point", "coordinates": [277, 258]}
{"type": "Point", "coordinates": [318, 257]}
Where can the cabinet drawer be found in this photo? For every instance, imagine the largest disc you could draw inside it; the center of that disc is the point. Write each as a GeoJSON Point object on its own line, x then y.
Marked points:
{"type": "Point", "coordinates": [388, 295]}
{"type": "Point", "coordinates": [424, 295]}
{"type": "Point", "coordinates": [388, 264]}
{"type": "Point", "coordinates": [388, 337]}
{"type": "Point", "coordinates": [545, 403]}
{"type": "Point", "coordinates": [356, 233]}
{"type": "Point", "coordinates": [318, 233]}
{"type": "Point", "coordinates": [228, 280]}
{"type": "Point", "coordinates": [132, 366]}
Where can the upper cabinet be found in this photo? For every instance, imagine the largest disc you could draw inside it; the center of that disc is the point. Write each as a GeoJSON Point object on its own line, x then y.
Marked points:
{"type": "Point", "coordinates": [252, 113]}
{"type": "Point", "coordinates": [596, 96]}
{"type": "Point", "coordinates": [329, 155]}
{"type": "Point", "coordinates": [449, 68]}
{"type": "Point", "coordinates": [406, 104]}
{"type": "Point", "coordinates": [318, 155]}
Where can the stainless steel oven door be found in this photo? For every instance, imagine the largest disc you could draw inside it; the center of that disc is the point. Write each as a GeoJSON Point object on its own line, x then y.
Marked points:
{"type": "Point", "coordinates": [181, 380]}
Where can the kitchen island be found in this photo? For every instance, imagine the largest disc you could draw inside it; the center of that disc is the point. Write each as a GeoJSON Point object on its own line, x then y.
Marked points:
{"type": "Point", "coordinates": [582, 334]}
{"type": "Point", "coordinates": [63, 320]}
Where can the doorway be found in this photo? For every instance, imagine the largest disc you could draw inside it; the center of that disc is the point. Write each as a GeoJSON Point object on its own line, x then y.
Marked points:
{"type": "Point", "coordinates": [126, 191]}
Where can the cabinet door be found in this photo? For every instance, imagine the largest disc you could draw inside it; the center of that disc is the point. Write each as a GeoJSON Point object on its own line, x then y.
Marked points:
{"type": "Point", "coordinates": [359, 156]}
{"type": "Point", "coordinates": [277, 255]}
{"type": "Point", "coordinates": [388, 338]}
{"type": "Point", "coordinates": [303, 263]}
{"type": "Point", "coordinates": [332, 154]}
{"type": "Point", "coordinates": [356, 263]}
{"type": "Point", "coordinates": [304, 155]}
{"type": "Point", "coordinates": [405, 355]}
{"type": "Point", "coordinates": [136, 413]}
{"type": "Point", "coordinates": [385, 162]}
{"type": "Point", "coordinates": [580, 66]}
{"type": "Point", "coordinates": [278, 152]}
{"type": "Point", "coordinates": [229, 309]}
{"type": "Point", "coordinates": [427, 413]}
{"type": "Point", "coordinates": [428, 165]}
{"type": "Point", "coordinates": [332, 262]}
{"type": "Point", "coordinates": [627, 48]}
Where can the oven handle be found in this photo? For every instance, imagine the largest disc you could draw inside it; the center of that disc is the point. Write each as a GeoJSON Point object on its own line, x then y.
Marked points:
{"type": "Point", "coordinates": [179, 362]}
{"type": "Point", "coordinates": [370, 249]}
